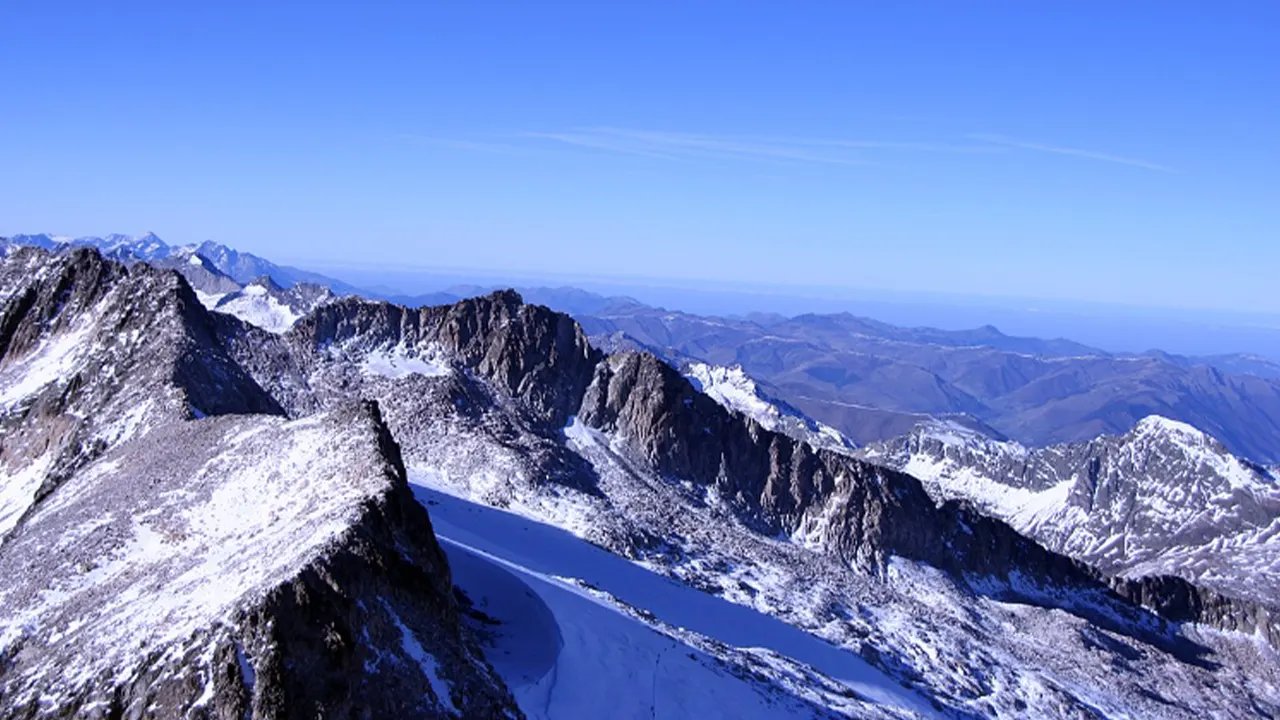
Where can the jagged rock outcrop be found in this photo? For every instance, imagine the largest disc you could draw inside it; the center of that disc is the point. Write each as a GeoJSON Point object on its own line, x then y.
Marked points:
{"type": "Point", "coordinates": [90, 352]}
{"type": "Point", "coordinates": [860, 511]}
{"type": "Point", "coordinates": [537, 356]}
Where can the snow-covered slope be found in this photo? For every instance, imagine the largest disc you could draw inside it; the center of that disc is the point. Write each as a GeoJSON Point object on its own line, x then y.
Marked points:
{"type": "Point", "coordinates": [989, 654]}
{"type": "Point", "coordinates": [200, 568]}
{"type": "Point", "coordinates": [1163, 499]}
{"type": "Point", "coordinates": [92, 353]}
{"type": "Point", "coordinates": [577, 631]}
{"type": "Point", "coordinates": [736, 391]}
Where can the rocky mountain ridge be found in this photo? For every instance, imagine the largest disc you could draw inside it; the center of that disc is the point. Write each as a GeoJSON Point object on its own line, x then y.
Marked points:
{"type": "Point", "coordinates": [511, 404]}
{"type": "Point", "coordinates": [869, 380]}
{"type": "Point", "coordinates": [174, 547]}
{"type": "Point", "coordinates": [783, 484]}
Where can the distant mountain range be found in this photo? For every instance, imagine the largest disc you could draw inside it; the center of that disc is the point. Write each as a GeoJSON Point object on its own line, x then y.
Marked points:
{"type": "Point", "coordinates": [873, 381]}
{"type": "Point", "coordinates": [240, 266]}
{"type": "Point", "coordinates": [870, 380]}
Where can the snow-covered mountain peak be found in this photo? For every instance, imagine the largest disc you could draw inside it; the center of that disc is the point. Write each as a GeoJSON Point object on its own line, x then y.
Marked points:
{"type": "Point", "coordinates": [731, 387]}
{"type": "Point", "coordinates": [1169, 428]}
{"type": "Point", "coordinates": [1141, 504]}
{"type": "Point", "coordinates": [734, 389]}
{"type": "Point", "coordinates": [1193, 457]}
{"type": "Point", "coordinates": [953, 434]}
{"type": "Point", "coordinates": [263, 303]}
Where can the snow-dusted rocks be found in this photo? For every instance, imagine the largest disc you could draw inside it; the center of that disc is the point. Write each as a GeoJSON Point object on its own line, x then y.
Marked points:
{"type": "Point", "coordinates": [237, 566]}
{"type": "Point", "coordinates": [868, 595]}
{"type": "Point", "coordinates": [735, 390]}
{"type": "Point", "coordinates": [265, 304]}
{"type": "Point", "coordinates": [1164, 499]}
{"type": "Point", "coordinates": [91, 353]}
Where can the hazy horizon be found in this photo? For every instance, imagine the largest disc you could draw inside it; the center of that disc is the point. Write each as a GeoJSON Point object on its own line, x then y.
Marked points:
{"type": "Point", "coordinates": [1112, 327]}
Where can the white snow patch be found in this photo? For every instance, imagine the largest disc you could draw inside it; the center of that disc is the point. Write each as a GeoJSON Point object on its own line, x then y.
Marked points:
{"type": "Point", "coordinates": [398, 362]}
{"type": "Point", "coordinates": [254, 306]}
{"type": "Point", "coordinates": [210, 300]}
{"type": "Point", "coordinates": [55, 359]}
{"type": "Point", "coordinates": [18, 490]}
{"type": "Point", "coordinates": [734, 390]}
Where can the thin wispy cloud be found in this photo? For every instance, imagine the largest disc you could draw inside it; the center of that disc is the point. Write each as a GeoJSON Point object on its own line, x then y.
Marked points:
{"type": "Point", "coordinates": [674, 145]}
{"type": "Point", "coordinates": [666, 145]}
{"type": "Point", "coordinates": [463, 144]}
{"type": "Point", "coordinates": [1073, 152]}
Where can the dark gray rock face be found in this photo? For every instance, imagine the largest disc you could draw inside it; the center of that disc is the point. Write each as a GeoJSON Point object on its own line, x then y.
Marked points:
{"type": "Point", "coordinates": [862, 512]}
{"type": "Point", "coordinates": [538, 357]}
{"type": "Point", "coordinates": [866, 513]}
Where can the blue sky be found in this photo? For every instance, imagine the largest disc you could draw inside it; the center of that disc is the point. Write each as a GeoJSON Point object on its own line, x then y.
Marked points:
{"type": "Point", "coordinates": [1114, 152]}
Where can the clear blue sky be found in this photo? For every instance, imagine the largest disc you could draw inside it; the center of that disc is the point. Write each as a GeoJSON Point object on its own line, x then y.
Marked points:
{"type": "Point", "coordinates": [1112, 151]}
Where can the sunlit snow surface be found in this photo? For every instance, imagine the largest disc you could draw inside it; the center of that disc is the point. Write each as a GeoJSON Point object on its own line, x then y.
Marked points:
{"type": "Point", "coordinates": [256, 306]}
{"type": "Point", "coordinates": [586, 633]}
{"type": "Point", "coordinates": [53, 360]}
